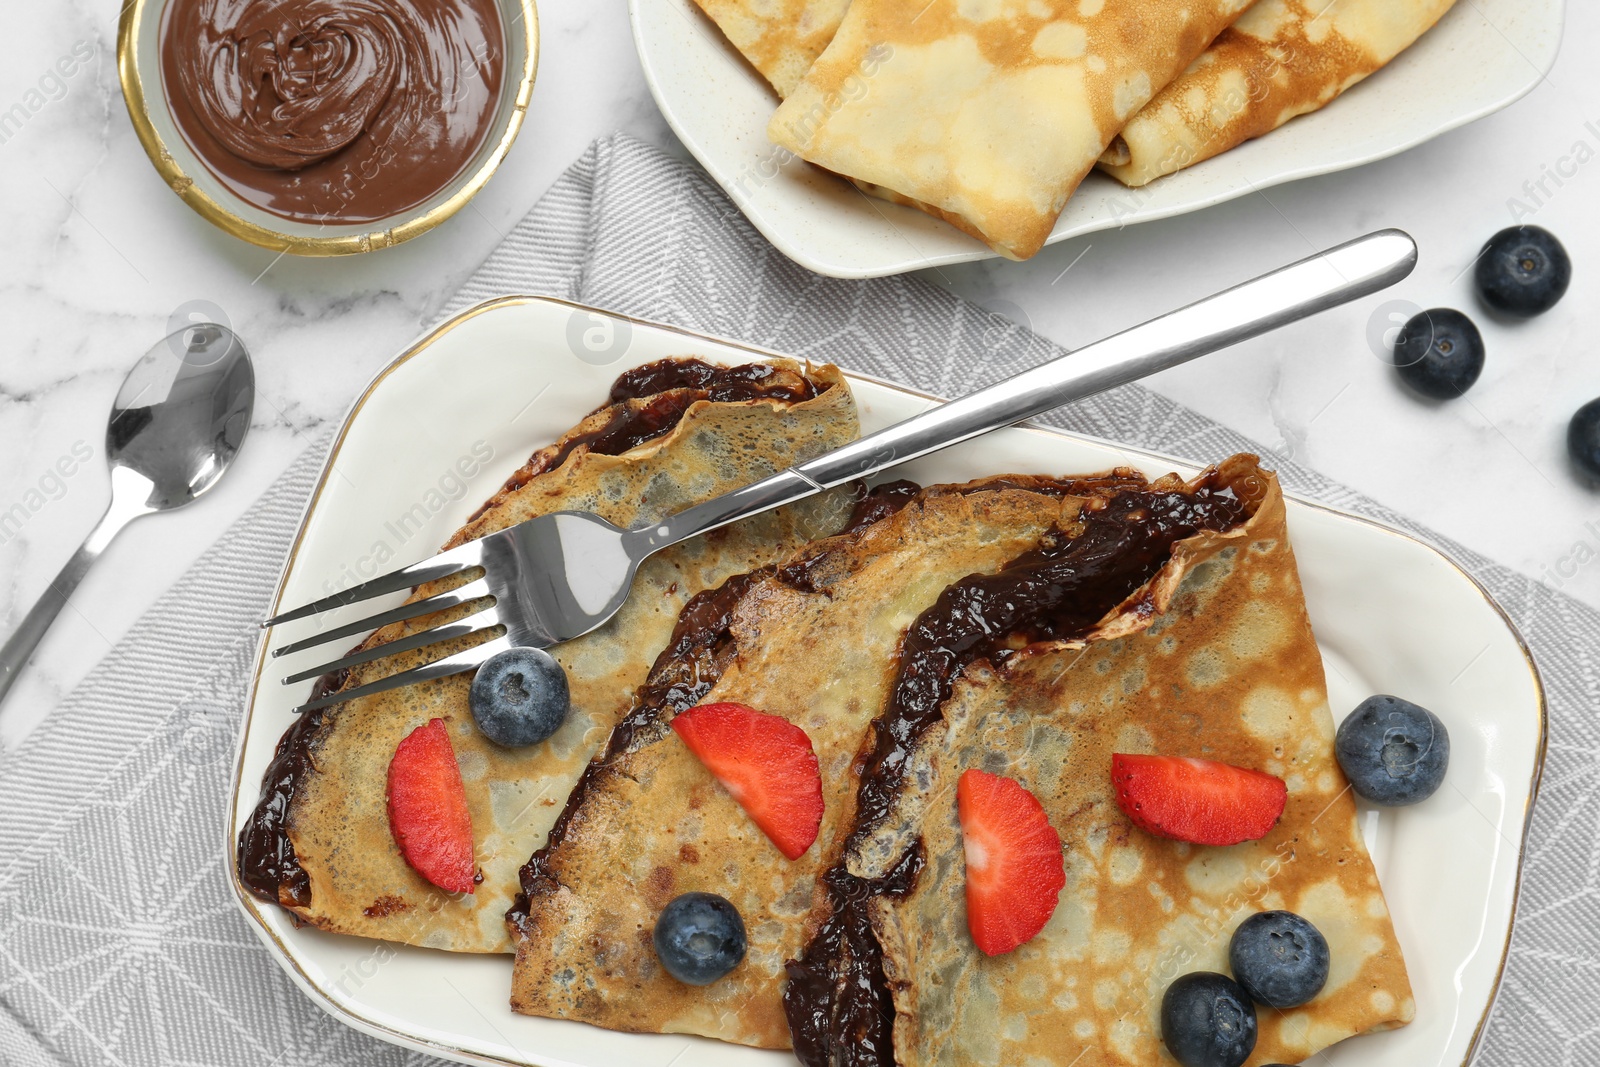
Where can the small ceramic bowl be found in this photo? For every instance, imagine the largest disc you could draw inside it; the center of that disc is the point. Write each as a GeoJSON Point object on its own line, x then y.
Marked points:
{"type": "Point", "coordinates": [139, 66]}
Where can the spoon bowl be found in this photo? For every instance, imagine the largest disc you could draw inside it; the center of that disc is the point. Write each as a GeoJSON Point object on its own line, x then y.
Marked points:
{"type": "Point", "coordinates": [175, 428]}
{"type": "Point", "coordinates": [182, 413]}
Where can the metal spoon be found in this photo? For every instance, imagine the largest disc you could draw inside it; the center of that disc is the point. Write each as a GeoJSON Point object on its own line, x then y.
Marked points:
{"type": "Point", "coordinates": [175, 426]}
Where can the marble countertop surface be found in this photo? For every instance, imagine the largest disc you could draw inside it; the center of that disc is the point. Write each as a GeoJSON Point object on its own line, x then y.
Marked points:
{"type": "Point", "coordinates": [100, 256]}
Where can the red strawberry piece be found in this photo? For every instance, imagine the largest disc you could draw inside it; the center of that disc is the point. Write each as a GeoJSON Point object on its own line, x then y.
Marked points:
{"type": "Point", "coordinates": [1014, 867]}
{"type": "Point", "coordinates": [1198, 800]}
{"type": "Point", "coordinates": [766, 763]}
{"type": "Point", "coordinates": [428, 808]}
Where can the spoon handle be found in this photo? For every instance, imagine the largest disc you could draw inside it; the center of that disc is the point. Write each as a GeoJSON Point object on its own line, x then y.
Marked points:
{"type": "Point", "coordinates": [20, 645]}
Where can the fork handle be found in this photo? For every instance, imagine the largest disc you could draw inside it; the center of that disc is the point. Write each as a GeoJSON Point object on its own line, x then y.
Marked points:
{"type": "Point", "coordinates": [1341, 274]}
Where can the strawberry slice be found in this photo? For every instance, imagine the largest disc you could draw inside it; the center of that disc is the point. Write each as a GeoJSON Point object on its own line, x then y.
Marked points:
{"type": "Point", "coordinates": [428, 808]}
{"type": "Point", "coordinates": [766, 763]}
{"type": "Point", "coordinates": [1014, 867]}
{"type": "Point", "coordinates": [1197, 800]}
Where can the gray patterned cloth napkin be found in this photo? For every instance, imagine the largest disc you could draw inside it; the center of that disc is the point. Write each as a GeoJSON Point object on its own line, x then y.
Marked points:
{"type": "Point", "coordinates": [119, 939]}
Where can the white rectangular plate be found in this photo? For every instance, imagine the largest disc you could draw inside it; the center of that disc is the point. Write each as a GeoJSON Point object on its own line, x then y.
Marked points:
{"type": "Point", "coordinates": [1482, 56]}
{"type": "Point", "coordinates": [1391, 615]}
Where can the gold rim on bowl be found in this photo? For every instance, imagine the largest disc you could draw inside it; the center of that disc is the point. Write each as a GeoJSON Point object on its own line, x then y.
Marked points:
{"type": "Point", "coordinates": [343, 244]}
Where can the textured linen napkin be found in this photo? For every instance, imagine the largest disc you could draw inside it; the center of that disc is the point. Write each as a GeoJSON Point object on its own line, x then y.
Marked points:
{"type": "Point", "coordinates": [119, 939]}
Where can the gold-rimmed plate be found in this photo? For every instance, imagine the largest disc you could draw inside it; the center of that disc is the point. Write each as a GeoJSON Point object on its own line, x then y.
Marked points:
{"type": "Point", "coordinates": [143, 89]}
{"type": "Point", "coordinates": [1391, 614]}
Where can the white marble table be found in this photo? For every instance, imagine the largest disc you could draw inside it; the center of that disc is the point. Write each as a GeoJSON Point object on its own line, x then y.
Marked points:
{"type": "Point", "coordinates": [98, 255]}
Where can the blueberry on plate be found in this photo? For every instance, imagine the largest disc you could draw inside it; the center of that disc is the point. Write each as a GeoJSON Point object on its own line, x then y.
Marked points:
{"type": "Point", "coordinates": [1207, 1020]}
{"type": "Point", "coordinates": [1583, 439]}
{"type": "Point", "coordinates": [1279, 958]}
{"type": "Point", "coordinates": [699, 938]}
{"type": "Point", "coordinates": [1393, 751]}
{"type": "Point", "coordinates": [519, 697]}
{"type": "Point", "coordinates": [1523, 270]}
{"type": "Point", "coordinates": [1439, 353]}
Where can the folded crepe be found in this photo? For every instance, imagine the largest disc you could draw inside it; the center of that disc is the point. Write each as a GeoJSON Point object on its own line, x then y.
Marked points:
{"type": "Point", "coordinates": [1213, 658]}
{"type": "Point", "coordinates": [988, 113]}
{"type": "Point", "coordinates": [673, 434]}
{"type": "Point", "coordinates": [1283, 58]}
{"type": "Point", "coordinates": [780, 38]}
{"type": "Point", "coordinates": [813, 640]}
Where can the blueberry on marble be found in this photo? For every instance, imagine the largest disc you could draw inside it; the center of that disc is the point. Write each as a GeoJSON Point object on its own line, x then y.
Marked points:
{"type": "Point", "coordinates": [699, 937]}
{"type": "Point", "coordinates": [1523, 270]}
{"type": "Point", "coordinates": [519, 697]}
{"type": "Point", "coordinates": [1207, 1020]}
{"type": "Point", "coordinates": [1583, 439]}
{"type": "Point", "coordinates": [1279, 958]}
{"type": "Point", "coordinates": [1393, 751]}
{"type": "Point", "coordinates": [1439, 353]}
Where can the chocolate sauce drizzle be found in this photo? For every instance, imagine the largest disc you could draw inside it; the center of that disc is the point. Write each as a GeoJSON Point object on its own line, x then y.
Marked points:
{"type": "Point", "coordinates": [668, 387]}
{"type": "Point", "coordinates": [718, 383]}
{"type": "Point", "coordinates": [837, 1000]}
{"type": "Point", "coordinates": [266, 858]}
{"type": "Point", "coordinates": [267, 863]}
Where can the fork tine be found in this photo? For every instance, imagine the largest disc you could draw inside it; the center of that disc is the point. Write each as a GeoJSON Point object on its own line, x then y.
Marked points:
{"type": "Point", "coordinates": [404, 644]}
{"type": "Point", "coordinates": [471, 659]}
{"type": "Point", "coordinates": [443, 565]}
{"type": "Point", "coordinates": [470, 591]}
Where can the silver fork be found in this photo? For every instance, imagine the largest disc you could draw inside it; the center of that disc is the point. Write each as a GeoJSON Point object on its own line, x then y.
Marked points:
{"type": "Point", "coordinates": [558, 576]}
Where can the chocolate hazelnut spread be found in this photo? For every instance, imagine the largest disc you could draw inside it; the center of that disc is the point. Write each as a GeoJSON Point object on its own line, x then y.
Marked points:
{"type": "Point", "coordinates": [347, 111]}
{"type": "Point", "coordinates": [837, 998]}
{"type": "Point", "coordinates": [666, 388]}
{"type": "Point", "coordinates": [670, 386]}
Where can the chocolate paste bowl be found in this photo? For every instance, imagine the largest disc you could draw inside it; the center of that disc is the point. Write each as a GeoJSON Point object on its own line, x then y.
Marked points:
{"type": "Point", "coordinates": [181, 167]}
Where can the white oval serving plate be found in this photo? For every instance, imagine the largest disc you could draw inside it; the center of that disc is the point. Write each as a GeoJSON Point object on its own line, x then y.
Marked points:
{"type": "Point", "coordinates": [1391, 615]}
{"type": "Point", "coordinates": [1482, 56]}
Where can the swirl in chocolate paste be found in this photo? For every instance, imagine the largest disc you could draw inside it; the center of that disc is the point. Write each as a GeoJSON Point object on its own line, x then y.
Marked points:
{"type": "Point", "coordinates": [347, 110]}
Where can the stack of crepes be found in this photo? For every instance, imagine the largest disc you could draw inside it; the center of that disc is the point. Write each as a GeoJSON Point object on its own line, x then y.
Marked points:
{"type": "Point", "coordinates": [1022, 625]}
{"type": "Point", "coordinates": [990, 113]}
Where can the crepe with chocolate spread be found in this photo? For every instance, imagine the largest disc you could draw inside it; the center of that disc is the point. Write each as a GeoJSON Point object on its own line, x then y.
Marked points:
{"type": "Point", "coordinates": [1213, 658]}
{"type": "Point", "coordinates": [988, 114]}
{"type": "Point", "coordinates": [813, 640]}
{"type": "Point", "coordinates": [673, 434]}
{"type": "Point", "coordinates": [1282, 58]}
{"type": "Point", "coordinates": [780, 38]}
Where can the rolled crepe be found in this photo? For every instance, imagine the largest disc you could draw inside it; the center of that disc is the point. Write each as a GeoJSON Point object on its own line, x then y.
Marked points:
{"type": "Point", "coordinates": [988, 113]}
{"type": "Point", "coordinates": [780, 38]}
{"type": "Point", "coordinates": [319, 841]}
{"type": "Point", "coordinates": [1283, 58]}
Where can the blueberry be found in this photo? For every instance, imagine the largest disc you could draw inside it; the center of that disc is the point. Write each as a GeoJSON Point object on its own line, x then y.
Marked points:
{"type": "Point", "coordinates": [1439, 353]}
{"type": "Point", "coordinates": [1207, 1020]}
{"type": "Point", "coordinates": [1583, 439]}
{"type": "Point", "coordinates": [699, 938]}
{"type": "Point", "coordinates": [519, 697]}
{"type": "Point", "coordinates": [1523, 270]}
{"type": "Point", "coordinates": [1393, 751]}
{"type": "Point", "coordinates": [1279, 958]}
